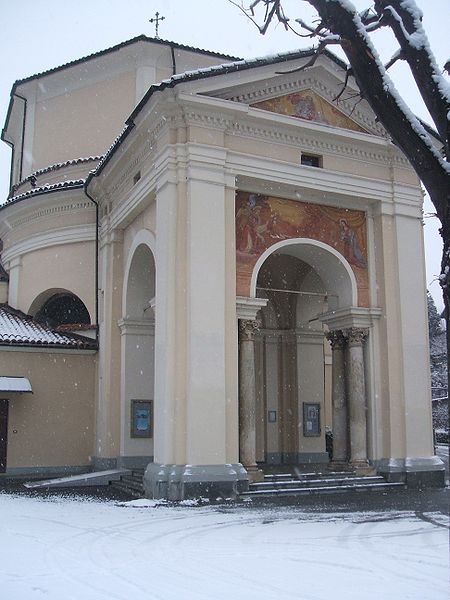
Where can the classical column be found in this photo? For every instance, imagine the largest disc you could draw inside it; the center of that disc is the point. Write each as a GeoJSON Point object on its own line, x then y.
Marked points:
{"type": "Point", "coordinates": [357, 397]}
{"type": "Point", "coordinates": [247, 397]}
{"type": "Point", "coordinates": [339, 401]}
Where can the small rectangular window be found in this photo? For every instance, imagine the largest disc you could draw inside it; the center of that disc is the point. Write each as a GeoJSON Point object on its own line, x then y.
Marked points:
{"type": "Point", "coordinates": [311, 160]}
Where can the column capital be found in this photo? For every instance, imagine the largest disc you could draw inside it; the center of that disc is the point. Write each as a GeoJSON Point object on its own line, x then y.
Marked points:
{"type": "Point", "coordinates": [248, 328]}
{"type": "Point", "coordinates": [356, 336]}
{"type": "Point", "coordinates": [248, 308]}
{"type": "Point", "coordinates": [336, 338]}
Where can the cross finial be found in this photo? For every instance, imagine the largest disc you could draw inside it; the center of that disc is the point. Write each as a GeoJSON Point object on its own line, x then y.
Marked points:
{"type": "Point", "coordinates": [156, 20]}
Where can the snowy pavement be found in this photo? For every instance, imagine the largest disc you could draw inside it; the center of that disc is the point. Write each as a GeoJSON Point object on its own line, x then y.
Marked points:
{"type": "Point", "coordinates": [59, 548]}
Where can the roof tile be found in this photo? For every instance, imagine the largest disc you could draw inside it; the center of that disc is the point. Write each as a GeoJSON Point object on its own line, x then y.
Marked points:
{"type": "Point", "coordinates": [18, 329]}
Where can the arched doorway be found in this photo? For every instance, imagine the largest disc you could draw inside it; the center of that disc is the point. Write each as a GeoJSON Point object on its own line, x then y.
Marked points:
{"type": "Point", "coordinates": [290, 349]}
{"type": "Point", "coordinates": [138, 356]}
{"type": "Point", "coordinates": [303, 282]}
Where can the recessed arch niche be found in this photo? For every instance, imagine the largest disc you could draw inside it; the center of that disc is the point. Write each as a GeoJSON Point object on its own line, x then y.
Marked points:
{"type": "Point", "coordinates": [138, 348]}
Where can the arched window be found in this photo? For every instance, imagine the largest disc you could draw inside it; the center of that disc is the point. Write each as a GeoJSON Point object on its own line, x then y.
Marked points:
{"type": "Point", "coordinates": [63, 309]}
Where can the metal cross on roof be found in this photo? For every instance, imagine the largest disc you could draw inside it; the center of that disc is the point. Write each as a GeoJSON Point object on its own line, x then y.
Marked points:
{"type": "Point", "coordinates": [156, 20]}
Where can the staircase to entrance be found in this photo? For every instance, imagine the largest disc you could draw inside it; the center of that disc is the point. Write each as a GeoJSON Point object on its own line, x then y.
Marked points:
{"type": "Point", "coordinates": [316, 482]}
{"type": "Point", "coordinates": [292, 482]}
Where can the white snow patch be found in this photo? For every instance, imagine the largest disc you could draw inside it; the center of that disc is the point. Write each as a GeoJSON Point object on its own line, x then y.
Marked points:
{"type": "Point", "coordinates": [72, 549]}
{"type": "Point", "coordinates": [142, 503]}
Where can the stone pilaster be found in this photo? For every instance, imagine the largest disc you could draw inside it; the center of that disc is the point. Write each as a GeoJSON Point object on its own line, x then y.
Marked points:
{"type": "Point", "coordinates": [357, 397]}
{"type": "Point", "coordinates": [339, 400]}
{"type": "Point", "coordinates": [247, 396]}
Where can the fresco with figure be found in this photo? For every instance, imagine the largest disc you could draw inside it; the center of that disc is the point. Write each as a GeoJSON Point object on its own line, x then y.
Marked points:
{"type": "Point", "coordinates": [262, 221]}
{"type": "Point", "coordinates": [309, 106]}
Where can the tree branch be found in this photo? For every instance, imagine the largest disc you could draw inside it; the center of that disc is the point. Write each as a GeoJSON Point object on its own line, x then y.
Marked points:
{"type": "Point", "coordinates": [397, 56]}
{"type": "Point", "coordinates": [405, 22]}
{"type": "Point", "coordinates": [320, 48]}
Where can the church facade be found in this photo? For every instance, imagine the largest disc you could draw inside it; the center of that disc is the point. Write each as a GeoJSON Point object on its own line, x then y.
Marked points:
{"type": "Point", "coordinates": [231, 263]}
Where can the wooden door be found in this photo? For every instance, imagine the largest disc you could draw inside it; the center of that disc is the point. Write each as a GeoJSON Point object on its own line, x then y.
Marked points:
{"type": "Point", "coordinates": [3, 434]}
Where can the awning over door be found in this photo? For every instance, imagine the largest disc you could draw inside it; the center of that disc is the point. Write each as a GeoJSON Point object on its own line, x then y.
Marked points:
{"type": "Point", "coordinates": [15, 384]}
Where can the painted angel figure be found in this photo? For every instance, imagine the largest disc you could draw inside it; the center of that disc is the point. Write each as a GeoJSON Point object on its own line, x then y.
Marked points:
{"type": "Point", "coordinates": [351, 244]}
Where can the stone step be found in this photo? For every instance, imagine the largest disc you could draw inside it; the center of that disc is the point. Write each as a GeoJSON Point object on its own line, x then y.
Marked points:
{"type": "Point", "coordinates": [127, 490]}
{"type": "Point", "coordinates": [136, 484]}
{"type": "Point", "coordinates": [317, 482]}
{"type": "Point", "coordinates": [131, 484]}
{"type": "Point", "coordinates": [278, 476]}
{"type": "Point", "coordinates": [297, 474]}
{"type": "Point", "coordinates": [329, 489]}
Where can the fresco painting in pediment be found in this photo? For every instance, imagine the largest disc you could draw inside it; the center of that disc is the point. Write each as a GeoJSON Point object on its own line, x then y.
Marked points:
{"type": "Point", "coordinates": [262, 221]}
{"type": "Point", "coordinates": [310, 106]}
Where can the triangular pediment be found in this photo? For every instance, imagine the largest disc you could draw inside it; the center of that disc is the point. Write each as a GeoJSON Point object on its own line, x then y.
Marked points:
{"type": "Point", "coordinates": [309, 106]}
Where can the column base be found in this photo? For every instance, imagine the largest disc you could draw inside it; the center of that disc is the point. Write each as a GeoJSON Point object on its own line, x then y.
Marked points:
{"type": "Point", "coordinates": [362, 467]}
{"type": "Point", "coordinates": [255, 475]}
{"type": "Point", "coordinates": [415, 472]}
{"type": "Point", "coordinates": [180, 482]}
{"type": "Point", "coordinates": [339, 465]}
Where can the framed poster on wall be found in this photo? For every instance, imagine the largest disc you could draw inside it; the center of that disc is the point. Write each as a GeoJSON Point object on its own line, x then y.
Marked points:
{"type": "Point", "coordinates": [311, 419]}
{"type": "Point", "coordinates": [142, 418]}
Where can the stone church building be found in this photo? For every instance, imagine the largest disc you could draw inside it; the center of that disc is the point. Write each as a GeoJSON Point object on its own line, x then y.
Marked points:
{"type": "Point", "coordinates": [208, 265]}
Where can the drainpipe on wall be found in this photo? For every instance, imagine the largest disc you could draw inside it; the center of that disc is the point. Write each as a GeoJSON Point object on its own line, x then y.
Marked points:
{"type": "Point", "coordinates": [174, 64]}
{"type": "Point", "coordinates": [13, 147]}
{"type": "Point", "coordinates": [96, 258]}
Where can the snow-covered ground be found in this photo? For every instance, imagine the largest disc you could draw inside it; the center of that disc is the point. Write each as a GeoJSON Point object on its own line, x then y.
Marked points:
{"type": "Point", "coordinates": [91, 550]}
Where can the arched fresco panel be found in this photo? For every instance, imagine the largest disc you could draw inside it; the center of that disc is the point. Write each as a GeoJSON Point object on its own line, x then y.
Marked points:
{"type": "Point", "coordinates": [262, 221]}
{"type": "Point", "coordinates": [310, 106]}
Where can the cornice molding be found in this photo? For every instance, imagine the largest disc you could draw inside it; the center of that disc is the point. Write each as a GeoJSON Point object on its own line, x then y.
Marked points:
{"type": "Point", "coordinates": [304, 135]}
{"type": "Point", "coordinates": [47, 211]}
{"type": "Point", "coordinates": [353, 317]}
{"type": "Point", "coordinates": [66, 235]}
{"type": "Point", "coordinates": [309, 184]}
{"type": "Point", "coordinates": [281, 134]}
{"type": "Point", "coordinates": [142, 327]}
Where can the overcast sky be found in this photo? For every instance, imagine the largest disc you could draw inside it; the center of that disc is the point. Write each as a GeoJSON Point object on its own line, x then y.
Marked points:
{"type": "Point", "coordinates": [41, 34]}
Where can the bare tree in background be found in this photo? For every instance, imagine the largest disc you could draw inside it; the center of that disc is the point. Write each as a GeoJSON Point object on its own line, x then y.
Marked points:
{"type": "Point", "coordinates": [340, 23]}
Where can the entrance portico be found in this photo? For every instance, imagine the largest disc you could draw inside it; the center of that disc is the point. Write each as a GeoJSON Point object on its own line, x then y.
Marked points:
{"type": "Point", "coordinates": [283, 403]}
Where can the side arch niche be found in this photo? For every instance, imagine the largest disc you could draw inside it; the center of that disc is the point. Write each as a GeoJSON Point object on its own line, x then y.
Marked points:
{"type": "Point", "coordinates": [138, 354]}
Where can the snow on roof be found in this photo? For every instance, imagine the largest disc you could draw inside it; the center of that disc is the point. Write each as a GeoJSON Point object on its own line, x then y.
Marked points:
{"type": "Point", "coordinates": [49, 187]}
{"type": "Point", "coordinates": [139, 38]}
{"type": "Point", "coordinates": [15, 384]}
{"type": "Point", "coordinates": [18, 329]}
{"type": "Point", "coordinates": [60, 165]}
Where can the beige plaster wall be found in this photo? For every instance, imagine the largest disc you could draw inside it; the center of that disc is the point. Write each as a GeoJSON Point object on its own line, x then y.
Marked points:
{"type": "Point", "coordinates": [146, 221]}
{"type": "Point", "coordinates": [82, 122]}
{"type": "Point", "coordinates": [69, 267]}
{"type": "Point", "coordinates": [108, 410]}
{"type": "Point", "coordinates": [64, 267]}
{"type": "Point", "coordinates": [331, 161]}
{"type": "Point", "coordinates": [54, 426]}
